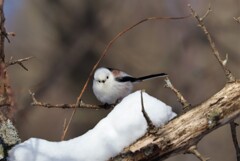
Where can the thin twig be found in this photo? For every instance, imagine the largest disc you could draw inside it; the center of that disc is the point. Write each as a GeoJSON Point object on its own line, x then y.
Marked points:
{"type": "Point", "coordinates": [19, 62]}
{"type": "Point", "coordinates": [104, 53]}
{"type": "Point", "coordinates": [193, 150]}
{"type": "Point", "coordinates": [233, 126]}
{"type": "Point", "coordinates": [181, 99]}
{"type": "Point", "coordinates": [64, 125]}
{"type": "Point", "coordinates": [35, 102]}
{"type": "Point", "coordinates": [147, 118]}
{"type": "Point", "coordinates": [228, 74]}
{"type": "Point", "coordinates": [207, 12]}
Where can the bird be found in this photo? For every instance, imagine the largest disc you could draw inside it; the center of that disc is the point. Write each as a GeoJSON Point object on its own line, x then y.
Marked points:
{"type": "Point", "coordinates": [110, 85]}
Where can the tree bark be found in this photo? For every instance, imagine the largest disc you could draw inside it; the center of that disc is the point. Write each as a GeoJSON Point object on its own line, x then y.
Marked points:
{"type": "Point", "coordinates": [8, 133]}
{"type": "Point", "coordinates": [188, 129]}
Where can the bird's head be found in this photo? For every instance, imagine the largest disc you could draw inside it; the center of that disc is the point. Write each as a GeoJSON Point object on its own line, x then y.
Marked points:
{"type": "Point", "coordinates": [102, 76]}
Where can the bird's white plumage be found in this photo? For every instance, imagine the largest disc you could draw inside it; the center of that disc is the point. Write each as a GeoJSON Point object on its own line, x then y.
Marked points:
{"type": "Point", "coordinates": [123, 126]}
{"type": "Point", "coordinates": [107, 89]}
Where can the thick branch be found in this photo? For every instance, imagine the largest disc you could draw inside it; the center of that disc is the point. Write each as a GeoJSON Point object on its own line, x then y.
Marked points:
{"type": "Point", "coordinates": [188, 129]}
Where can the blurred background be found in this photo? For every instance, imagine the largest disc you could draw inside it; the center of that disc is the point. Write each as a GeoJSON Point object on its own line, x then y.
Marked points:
{"type": "Point", "coordinates": [67, 38]}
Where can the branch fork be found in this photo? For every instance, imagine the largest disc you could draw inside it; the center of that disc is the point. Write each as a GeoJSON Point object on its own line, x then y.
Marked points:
{"type": "Point", "coordinates": [19, 62]}
{"type": "Point", "coordinates": [181, 99]}
{"type": "Point", "coordinates": [229, 76]}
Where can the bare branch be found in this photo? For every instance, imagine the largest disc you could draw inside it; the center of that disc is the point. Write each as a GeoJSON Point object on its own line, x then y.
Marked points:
{"type": "Point", "coordinates": [19, 62]}
{"type": "Point", "coordinates": [233, 126]}
{"type": "Point", "coordinates": [193, 150]}
{"type": "Point", "coordinates": [181, 99]}
{"type": "Point", "coordinates": [8, 133]}
{"type": "Point", "coordinates": [228, 74]}
{"type": "Point", "coordinates": [64, 106]}
{"type": "Point", "coordinates": [207, 12]}
{"type": "Point", "coordinates": [151, 126]}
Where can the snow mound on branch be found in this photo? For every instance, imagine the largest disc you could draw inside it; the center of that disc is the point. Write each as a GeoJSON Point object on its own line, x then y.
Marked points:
{"type": "Point", "coordinates": [123, 125]}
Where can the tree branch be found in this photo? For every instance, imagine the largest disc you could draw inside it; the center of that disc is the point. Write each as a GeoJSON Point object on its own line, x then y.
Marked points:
{"type": "Point", "coordinates": [193, 150]}
{"type": "Point", "coordinates": [181, 99]}
{"type": "Point", "coordinates": [8, 133]}
{"type": "Point", "coordinates": [35, 102]}
{"type": "Point", "coordinates": [173, 139]}
{"type": "Point", "coordinates": [187, 130]}
{"type": "Point", "coordinates": [19, 62]}
{"type": "Point", "coordinates": [228, 74]}
{"type": "Point", "coordinates": [151, 126]}
{"type": "Point", "coordinates": [233, 126]}
{"type": "Point", "coordinates": [6, 93]}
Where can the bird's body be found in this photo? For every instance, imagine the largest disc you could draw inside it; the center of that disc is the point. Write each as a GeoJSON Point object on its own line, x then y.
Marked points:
{"type": "Point", "coordinates": [112, 85]}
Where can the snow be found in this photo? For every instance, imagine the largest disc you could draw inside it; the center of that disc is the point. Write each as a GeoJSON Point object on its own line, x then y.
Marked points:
{"type": "Point", "coordinates": [123, 125]}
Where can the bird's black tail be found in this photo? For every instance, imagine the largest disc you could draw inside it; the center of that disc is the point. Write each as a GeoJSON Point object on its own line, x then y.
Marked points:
{"type": "Point", "coordinates": [150, 77]}
{"type": "Point", "coordinates": [139, 79]}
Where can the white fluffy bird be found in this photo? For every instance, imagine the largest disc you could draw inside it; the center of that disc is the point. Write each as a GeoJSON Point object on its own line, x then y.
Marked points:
{"type": "Point", "coordinates": [112, 85]}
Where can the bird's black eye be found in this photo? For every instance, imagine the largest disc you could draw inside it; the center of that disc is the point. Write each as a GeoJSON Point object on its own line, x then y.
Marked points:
{"type": "Point", "coordinates": [99, 81]}
{"type": "Point", "coordinates": [107, 77]}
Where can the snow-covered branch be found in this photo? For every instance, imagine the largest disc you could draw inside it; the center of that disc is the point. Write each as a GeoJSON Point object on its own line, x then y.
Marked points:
{"type": "Point", "coordinates": [123, 126]}
{"type": "Point", "coordinates": [187, 130]}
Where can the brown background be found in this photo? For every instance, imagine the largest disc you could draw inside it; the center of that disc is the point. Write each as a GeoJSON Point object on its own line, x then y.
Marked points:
{"type": "Point", "coordinates": [67, 37]}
